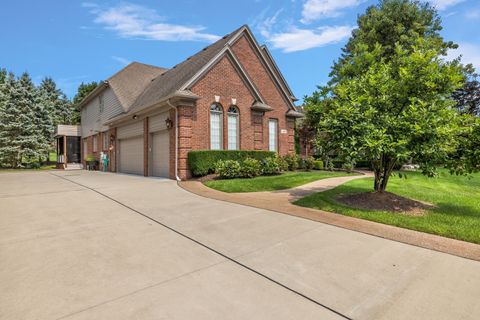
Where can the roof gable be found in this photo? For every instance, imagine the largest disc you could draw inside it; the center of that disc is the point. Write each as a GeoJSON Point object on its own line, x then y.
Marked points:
{"type": "Point", "coordinates": [129, 83]}
{"type": "Point", "coordinates": [174, 78]}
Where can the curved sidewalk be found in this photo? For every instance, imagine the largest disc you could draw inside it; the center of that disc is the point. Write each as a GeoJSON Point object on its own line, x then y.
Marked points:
{"type": "Point", "coordinates": [281, 201]}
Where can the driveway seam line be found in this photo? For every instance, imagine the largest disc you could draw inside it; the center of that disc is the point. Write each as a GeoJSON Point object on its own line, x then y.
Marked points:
{"type": "Point", "coordinates": [214, 250]}
{"type": "Point", "coordinates": [142, 289]}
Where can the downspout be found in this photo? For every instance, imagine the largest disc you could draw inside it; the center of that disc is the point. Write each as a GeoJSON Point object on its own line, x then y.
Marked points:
{"type": "Point", "coordinates": [176, 139]}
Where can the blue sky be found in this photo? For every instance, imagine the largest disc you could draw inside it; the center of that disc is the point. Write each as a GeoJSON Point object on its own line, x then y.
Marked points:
{"type": "Point", "coordinates": [75, 41]}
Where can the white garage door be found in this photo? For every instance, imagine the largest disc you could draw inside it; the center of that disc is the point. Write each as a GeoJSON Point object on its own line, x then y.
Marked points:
{"type": "Point", "coordinates": [160, 153]}
{"type": "Point", "coordinates": [131, 155]}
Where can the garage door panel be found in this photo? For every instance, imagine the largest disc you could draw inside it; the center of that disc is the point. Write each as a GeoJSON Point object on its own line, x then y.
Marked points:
{"type": "Point", "coordinates": [130, 130]}
{"type": "Point", "coordinates": [160, 166]}
{"type": "Point", "coordinates": [131, 155]}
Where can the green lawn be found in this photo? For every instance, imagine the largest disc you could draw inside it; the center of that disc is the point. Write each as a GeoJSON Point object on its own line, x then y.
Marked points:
{"type": "Point", "coordinates": [457, 200]}
{"type": "Point", "coordinates": [285, 180]}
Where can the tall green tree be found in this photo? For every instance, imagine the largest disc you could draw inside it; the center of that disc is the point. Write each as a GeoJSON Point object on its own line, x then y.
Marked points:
{"type": "Point", "coordinates": [389, 99]}
{"type": "Point", "coordinates": [83, 90]}
{"type": "Point", "coordinates": [19, 136]}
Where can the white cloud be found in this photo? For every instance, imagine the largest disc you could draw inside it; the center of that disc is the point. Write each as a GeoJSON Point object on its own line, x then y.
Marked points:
{"type": "Point", "coordinates": [470, 54]}
{"type": "Point", "coordinates": [122, 61]}
{"type": "Point", "coordinates": [444, 4]}
{"type": "Point", "coordinates": [318, 9]}
{"type": "Point", "coordinates": [134, 21]}
{"type": "Point", "coordinates": [302, 39]}
{"type": "Point", "coordinates": [473, 14]}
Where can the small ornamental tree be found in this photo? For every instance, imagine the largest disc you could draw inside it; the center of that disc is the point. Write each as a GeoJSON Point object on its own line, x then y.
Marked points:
{"type": "Point", "coordinates": [468, 97]}
{"type": "Point", "coordinates": [389, 99]}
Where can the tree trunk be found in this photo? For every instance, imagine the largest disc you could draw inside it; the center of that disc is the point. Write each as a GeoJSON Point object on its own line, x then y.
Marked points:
{"type": "Point", "coordinates": [382, 173]}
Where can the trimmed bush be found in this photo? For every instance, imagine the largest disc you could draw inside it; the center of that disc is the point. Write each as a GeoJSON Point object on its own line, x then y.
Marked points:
{"type": "Point", "coordinates": [203, 162]}
{"type": "Point", "coordinates": [270, 166]}
{"type": "Point", "coordinates": [318, 165]}
{"type": "Point", "coordinates": [250, 168]}
{"type": "Point", "coordinates": [282, 164]}
{"type": "Point", "coordinates": [292, 161]}
{"type": "Point", "coordinates": [308, 163]}
{"type": "Point", "coordinates": [227, 169]}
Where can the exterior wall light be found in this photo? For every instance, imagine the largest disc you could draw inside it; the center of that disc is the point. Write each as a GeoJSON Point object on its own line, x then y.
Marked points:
{"type": "Point", "coordinates": [135, 117]}
{"type": "Point", "coordinates": [169, 123]}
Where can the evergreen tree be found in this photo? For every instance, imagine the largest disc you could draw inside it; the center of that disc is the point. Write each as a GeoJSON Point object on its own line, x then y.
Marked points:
{"type": "Point", "coordinates": [18, 133]}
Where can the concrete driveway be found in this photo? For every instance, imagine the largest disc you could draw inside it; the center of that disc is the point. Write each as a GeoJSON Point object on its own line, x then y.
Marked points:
{"type": "Point", "coordinates": [89, 245]}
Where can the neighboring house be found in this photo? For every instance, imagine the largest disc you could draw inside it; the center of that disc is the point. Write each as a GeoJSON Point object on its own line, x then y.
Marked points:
{"type": "Point", "coordinates": [230, 95]}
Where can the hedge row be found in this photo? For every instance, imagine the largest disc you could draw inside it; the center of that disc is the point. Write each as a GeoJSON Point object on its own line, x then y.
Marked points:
{"type": "Point", "coordinates": [203, 162]}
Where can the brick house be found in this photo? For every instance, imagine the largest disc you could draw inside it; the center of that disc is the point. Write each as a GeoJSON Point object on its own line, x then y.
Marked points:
{"type": "Point", "coordinates": [230, 95]}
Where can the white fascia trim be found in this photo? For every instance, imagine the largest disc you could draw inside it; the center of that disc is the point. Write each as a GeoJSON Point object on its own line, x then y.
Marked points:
{"type": "Point", "coordinates": [259, 52]}
{"type": "Point", "coordinates": [275, 66]}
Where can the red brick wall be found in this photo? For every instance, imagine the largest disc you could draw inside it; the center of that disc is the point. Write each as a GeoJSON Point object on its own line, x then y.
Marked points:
{"type": "Point", "coordinates": [222, 80]}
{"type": "Point", "coordinates": [172, 172]}
{"type": "Point", "coordinates": [262, 79]}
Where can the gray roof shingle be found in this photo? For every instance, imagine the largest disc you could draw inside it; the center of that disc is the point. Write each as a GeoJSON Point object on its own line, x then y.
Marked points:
{"type": "Point", "coordinates": [167, 83]}
{"type": "Point", "coordinates": [132, 80]}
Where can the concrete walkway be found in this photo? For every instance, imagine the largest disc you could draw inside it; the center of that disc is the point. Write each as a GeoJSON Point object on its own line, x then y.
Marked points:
{"type": "Point", "coordinates": [306, 189]}
{"type": "Point", "coordinates": [90, 245]}
{"type": "Point", "coordinates": [281, 201]}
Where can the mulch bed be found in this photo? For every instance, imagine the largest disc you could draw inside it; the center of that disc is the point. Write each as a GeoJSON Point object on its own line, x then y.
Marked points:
{"type": "Point", "coordinates": [209, 177]}
{"type": "Point", "coordinates": [385, 201]}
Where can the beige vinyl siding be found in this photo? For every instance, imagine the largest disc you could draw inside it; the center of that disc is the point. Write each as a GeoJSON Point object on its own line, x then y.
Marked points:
{"type": "Point", "coordinates": [94, 121]}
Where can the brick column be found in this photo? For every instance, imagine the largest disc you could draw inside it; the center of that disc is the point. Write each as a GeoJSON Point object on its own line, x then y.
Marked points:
{"type": "Point", "coordinates": [184, 139]}
{"type": "Point", "coordinates": [257, 119]}
{"type": "Point", "coordinates": [112, 154]}
{"type": "Point", "coordinates": [291, 135]}
{"type": "Point", "coordinates": [145, 147]}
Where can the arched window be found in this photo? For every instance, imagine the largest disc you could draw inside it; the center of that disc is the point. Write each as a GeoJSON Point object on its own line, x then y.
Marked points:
{"type": "Point", "coordinates": [216, 127]}
{"type": "Point", "coordinates": [233, 128]}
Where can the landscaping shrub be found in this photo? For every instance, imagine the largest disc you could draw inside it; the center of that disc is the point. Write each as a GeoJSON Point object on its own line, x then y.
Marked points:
{"type": "Point", "coordinates": [270, 166]}
{"type": "Point", "coordinates": [250, 168]}
{"type": "Point", "coordinates": [227, 169]}
{"type": "Point", "coordinates": [292, 161]}
{"type": "Point", "coordinates": [318, 165]}
{"type": "Point", "coordinates": [282, 164]}
{"type": "Point", "coordinates": [308, 163]}
{"type": "Point", "coordinates": [348, 165]}
{"type": "Point", "coordinates": [203, 162]}
{"type": "Point", "coordinates": [330, 165]}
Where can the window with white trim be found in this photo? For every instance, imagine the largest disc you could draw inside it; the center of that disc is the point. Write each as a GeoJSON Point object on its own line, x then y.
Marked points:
{"type": "Point", "coordinates": [95, 142]}
{"type": "Point", "coordinates": [233, 128]}
{"type": "Point", "coordinates": [105, 140]}
{"type": "Point", "coordinates": [273, 135]}
{"type": "Point", "coordinates": [216, 127]}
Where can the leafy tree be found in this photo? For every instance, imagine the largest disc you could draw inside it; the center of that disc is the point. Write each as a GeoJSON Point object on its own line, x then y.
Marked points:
{"type": "Point", "coordinates": [83, 90]}
{"type": "Point", "coordinates": [389, 99]}
{"type": "Point", "coordinates": [389, 24]}
{"type": "Point", "coordinates": [468, 97]}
